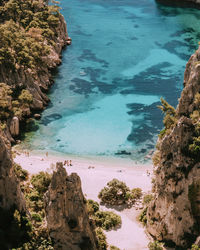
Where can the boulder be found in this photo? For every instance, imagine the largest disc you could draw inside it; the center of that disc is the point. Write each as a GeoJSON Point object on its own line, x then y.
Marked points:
{"type": "Point", "coordinates": [14, 126]}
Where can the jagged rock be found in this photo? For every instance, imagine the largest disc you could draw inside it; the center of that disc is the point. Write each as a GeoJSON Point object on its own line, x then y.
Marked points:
{"type": "Point", "coordinates": [181, 3]}
{"type": "Point", "coordinates": [14, 126]}
{"type": "Point", "coordinates": [67, 219]}
{"type": "Point", "coordinates": [173, 215]}
{"type": "Point", "coordinates": [37, 116]}
{"type": "Point", "coordinates": [10, 192]}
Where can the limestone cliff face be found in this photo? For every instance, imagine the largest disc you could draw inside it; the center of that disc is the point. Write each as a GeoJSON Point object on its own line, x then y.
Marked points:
{"type": "Point", "coordinates": [39, 80]}
{"type": "Point", "coordinates": [10, 192]}
{"type": "Point", "coordinates": [67, 219]}
{"type": "Point", "coordinates": [173, 215]}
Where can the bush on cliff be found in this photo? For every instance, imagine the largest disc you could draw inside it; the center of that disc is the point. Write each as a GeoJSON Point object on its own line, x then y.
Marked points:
{"type": "Point", "coordinates": [143, 216]}
{"type": "Point", "coordinates": [136, 194]}
{"type": "Point", "coordinates": [34, 190]}
{"type": "Point", "coordinates": [104, 219]}
{"type": "Point", "coordinates": [41, 181]}
{"type": "Point", "coordinates": [147, 199]}
{"type": "Point", "coordinates": [114, 248]}
{"type": "Point", "coordinates": [155, 246]}
{"type": "Point", "coordinates": [21, 174]}
{"type": "Point", "coordinates": [107, 220]}
{"type": "Point", "coordinates": [101, 239]}
{"type": "Point", "coordinates": [195, 247]}
{"type": "Point", "coordinates": [169, 116]}
{"type": "Point", "coordinates": [92, 207]}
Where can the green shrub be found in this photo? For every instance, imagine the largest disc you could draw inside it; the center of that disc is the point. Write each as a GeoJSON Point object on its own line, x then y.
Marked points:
{"type": "Point", "coordinates": [147, 198]}
{"type": "Point", "coordinates": [114, 248]}
{"type": "Point", "coordinates": [116, 193]}
{"type": "Point", "coordinates": [136, 193]}
{"type": "Point", "coordinates": [167, 108]}
{"type": "Point", "coordinates": [21, 174]}
{"type": "Point", "coordinates": [195, 247]}
{"type": "Point", "coordinates": [162, 133]}
{"type": "Point", "coordinates": [197, 100]}
{"type": "Point", "coordinates": [101, 239]}
{"type": "Point", "coordinates": [169, 121]}
{"type": "Point", "coordinates": [25, 97]}
{"type": "Point", "coordinates": [107, 220]}
{"type": "Point", "coordinates": [155, 246]}
{"type": "Point", "coordinates": [156, 158]}
{"type": "Point", "coordinates": [143, 216]}
{"type": "Point", "coordinates": [195, 115]}
{"type": "Point", "coordinates": [195, 147]}
{"type": "Point", "coordinates": [36, 217]}
{"type": "Point", "coordinates": [92, 207]}
{"type": "Point", "coordinates": [41, 181]}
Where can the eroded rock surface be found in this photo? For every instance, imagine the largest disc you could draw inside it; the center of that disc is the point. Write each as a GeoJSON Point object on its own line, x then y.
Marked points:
{"type": "Point", "coordinates": [67, 218]}
{"type": "Point", "coordinates": [174, 214]}
{"type": "Point", "coordinates": [10, 192]}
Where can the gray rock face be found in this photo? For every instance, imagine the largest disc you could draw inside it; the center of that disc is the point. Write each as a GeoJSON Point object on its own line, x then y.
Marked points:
{"type": "Point", "coordinates": [10, 192]}
{"type": "Point", "coordinates": [173, 215]}
{"type": "Point", "coordinates": [67, 219]}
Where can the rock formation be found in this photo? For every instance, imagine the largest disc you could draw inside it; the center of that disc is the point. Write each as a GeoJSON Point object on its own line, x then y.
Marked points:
{"type": "Point", "coordinates": [14, 126]}
{"type": "Point", "coordinates": [173, 215]}
{"type": "Point", "coordinates": [181, 3]}
{"type": "Point", "coordinates": [67, 218]}
{"type": "Point", "coordinates": [10, 192]}
{"type": "Point", "coordinates": [36, 77]}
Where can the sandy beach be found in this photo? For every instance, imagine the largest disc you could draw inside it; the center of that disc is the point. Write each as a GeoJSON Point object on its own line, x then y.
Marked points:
{"type": "Point", "coordinates": [94, 174]}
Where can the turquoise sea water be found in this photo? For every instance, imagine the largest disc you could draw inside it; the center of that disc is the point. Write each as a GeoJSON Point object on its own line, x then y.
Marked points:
{"type": "Point", "coordinates": [124, 56]}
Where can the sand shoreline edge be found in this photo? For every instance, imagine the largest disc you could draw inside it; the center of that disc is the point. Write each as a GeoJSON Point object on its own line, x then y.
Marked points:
{"type": "Point", "coordinates": [94, 176]}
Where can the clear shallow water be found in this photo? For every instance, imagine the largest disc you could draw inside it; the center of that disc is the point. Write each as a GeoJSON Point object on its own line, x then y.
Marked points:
{"type": "Point", "coordinates": [124, 56]}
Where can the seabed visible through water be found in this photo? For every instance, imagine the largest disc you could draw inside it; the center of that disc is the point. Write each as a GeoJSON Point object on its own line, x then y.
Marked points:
{"type": "Point", "coordinates": [124, 56]}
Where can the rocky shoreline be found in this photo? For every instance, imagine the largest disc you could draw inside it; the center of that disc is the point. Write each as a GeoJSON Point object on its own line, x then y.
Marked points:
{"type": "Point", "coordinates": [173, 215]}
{"type": "Point", "coordinates": [180, 3]}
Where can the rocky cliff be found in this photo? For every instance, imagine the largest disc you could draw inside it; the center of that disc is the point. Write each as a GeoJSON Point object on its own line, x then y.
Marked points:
{"type": "Point", "coordinates": [33, 35]}
{"type": "Point", "coordinates": [173, 215]}
{"type": "Point", "coordinates": [181, 3]}
{"type": "Point", "coordinates": [67, 218]}
{"type": "Point", "coordinates": [10, 192]}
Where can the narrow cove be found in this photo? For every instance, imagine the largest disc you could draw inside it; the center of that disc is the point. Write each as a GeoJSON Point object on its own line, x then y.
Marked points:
{"type": "Point", "coordinates": [124, 56]}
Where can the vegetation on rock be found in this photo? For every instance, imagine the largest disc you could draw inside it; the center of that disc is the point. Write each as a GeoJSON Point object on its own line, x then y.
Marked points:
{"type": "Point", "coordinates": [101, 237]}
{"type": "Point", "coordinates": [155, 246]}
{"type": "Point", "coordinates": [28, 32]}
{"type": "Point", "coordinates": [104, 219]}
{"type": "Point", "coordinates": [34, 193]}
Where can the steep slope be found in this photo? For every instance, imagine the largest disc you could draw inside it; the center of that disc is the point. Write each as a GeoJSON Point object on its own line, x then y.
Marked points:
{"type": "Point", "coordinates": [66, 212]}
{"type": "Point", "coordinates": [173, 215]}
{"type": "Point", "coordinates": [10, 192]}
{"type": "Point", "coordinates": [33, 35]}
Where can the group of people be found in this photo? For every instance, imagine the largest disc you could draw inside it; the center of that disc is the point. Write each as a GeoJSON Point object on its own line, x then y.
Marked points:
{"type": "Point", "coordinates": [68, 163]}
{"type": "Point", "coordinates": [26, 153]}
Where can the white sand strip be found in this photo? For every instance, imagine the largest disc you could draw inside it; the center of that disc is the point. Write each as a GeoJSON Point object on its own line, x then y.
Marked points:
{"type": "Point", "coordinates": [94, 175]}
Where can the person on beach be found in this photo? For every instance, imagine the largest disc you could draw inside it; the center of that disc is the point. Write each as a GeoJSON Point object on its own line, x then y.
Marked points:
{"type": "Point", "coordinates": [47, 154]}
{"type": "Point", "coordinates": [70, 162]}
{"type": "Point", "coordinates": [65, 162]}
